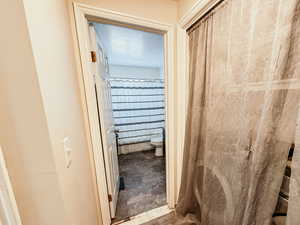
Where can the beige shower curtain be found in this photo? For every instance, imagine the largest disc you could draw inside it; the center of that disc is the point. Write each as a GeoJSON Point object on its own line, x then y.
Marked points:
{"type": "Point", "coordinates": [242, 115]}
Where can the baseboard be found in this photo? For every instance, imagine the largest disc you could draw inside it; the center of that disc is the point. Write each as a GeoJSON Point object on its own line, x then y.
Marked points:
{"type": "Point", "coordinates": [126, 149]}
{"type": "Point", "coordinates": [146, 216]}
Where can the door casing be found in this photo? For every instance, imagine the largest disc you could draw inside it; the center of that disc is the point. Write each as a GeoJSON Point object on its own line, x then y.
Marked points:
{"type": "Point", "coordinates": [105, 114]}
{"type": "Point", "coordinates": [9, 213]}
{"type": "Point", "coordinates": [83, 15]}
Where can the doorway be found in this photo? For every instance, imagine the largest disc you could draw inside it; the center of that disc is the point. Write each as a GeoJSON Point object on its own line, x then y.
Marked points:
{"type": "Point", "coordinates": [129, 86]}
{"type": "Point", "coordinates": [129, 89]}
{"type": "Point", "coordinates": [85, 16]}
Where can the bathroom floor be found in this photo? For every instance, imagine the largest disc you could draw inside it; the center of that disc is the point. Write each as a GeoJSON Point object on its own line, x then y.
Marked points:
{"type": "Point", "coordinates": [145, 183]}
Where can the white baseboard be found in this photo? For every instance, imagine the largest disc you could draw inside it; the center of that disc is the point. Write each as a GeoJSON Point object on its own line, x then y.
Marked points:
{"type": "Point", "coordinates": [147, 216]}
{"type": "Point", "coordinates": [125, 149]}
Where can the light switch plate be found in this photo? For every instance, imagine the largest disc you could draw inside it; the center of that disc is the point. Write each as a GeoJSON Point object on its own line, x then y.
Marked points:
{"type": "Point", "coordinates": [68, 151]}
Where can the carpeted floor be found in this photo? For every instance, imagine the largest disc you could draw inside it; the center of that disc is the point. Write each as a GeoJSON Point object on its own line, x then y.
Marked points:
{"type": "Point", "coordinates": [145, 183]}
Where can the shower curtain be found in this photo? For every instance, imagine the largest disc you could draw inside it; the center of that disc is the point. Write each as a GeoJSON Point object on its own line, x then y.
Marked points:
{"type": "Point", "coordinates": [243, 114]}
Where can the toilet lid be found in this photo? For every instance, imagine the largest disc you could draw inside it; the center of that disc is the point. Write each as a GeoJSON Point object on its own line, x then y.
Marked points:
{"type": "Point", "coordinates": [157, 139]}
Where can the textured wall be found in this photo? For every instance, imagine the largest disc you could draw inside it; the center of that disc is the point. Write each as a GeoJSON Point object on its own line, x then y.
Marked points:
{"type": "Point", "coordinates": [138, 106]}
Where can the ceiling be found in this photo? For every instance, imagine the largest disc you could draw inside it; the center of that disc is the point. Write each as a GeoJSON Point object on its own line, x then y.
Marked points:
{"type": "Point", "coordinates": [129, 47]}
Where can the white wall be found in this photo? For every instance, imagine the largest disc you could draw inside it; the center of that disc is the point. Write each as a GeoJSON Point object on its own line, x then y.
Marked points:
{"type": "Point", "coordinates": [136, 72]}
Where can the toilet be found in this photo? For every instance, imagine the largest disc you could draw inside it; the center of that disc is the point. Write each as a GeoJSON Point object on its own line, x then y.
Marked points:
{"type": "Point", "coordinates": [158, 143]}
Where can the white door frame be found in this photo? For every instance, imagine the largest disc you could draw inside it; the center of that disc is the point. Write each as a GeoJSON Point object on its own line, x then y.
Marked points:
{"type": "Point", "coordinates": [82, 13]}
{"type": "Point", "coordinates": [198, 10]}
{"type": "Point", "coordinates": [8, 206]}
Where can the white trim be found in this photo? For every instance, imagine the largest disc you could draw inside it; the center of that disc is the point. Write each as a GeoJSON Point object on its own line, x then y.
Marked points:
{"type": "Point", "coordinates": [182, 87]}
{"type": "Point", "coordinates": [9, 213]}
{"type": "Point", "coordinates": [94, 130]}
{"type": "Point", "coordinates": [199, 9]}
{"type": "Point", "coordinates": [83, 11]}
{"type": "Point", "coordinates": [170, 104]}
{"type": "Point", "coordinates": [147, 216]}
{"type": "Point", "coordinates": [101, 13]}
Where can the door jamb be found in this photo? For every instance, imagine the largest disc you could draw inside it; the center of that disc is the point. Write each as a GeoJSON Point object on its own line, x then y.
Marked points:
{"type": "Point", "coordinates": [82, 12]}
{"type": "Point", "coordinates": [7, 198]}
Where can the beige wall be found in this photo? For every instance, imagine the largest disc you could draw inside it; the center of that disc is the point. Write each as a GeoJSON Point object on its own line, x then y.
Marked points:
{"type": "Point", "coordinates": [55, 63]}
{"type": "Point", "coordinates": [24, 134]}
{"type": "Point", "coordinates": [39, 101]}
{"type": "Point", "coordinates": [135, 72]}
{"type": "Point", "coordinates": [160, 10]}
{"type": "Point", "coordinates": [184, 6]}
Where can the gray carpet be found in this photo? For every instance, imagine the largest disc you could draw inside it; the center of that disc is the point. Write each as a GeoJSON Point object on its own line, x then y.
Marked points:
{"type": "Point", "coordinates": [145, 183]}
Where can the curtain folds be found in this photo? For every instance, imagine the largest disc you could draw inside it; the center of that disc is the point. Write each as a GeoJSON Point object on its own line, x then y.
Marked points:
{"type": "Point", "coordinates": [242, 115]}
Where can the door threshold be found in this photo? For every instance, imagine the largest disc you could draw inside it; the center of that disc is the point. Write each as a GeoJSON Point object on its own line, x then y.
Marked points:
{"type": "Point", "coordinates": [146, 216]}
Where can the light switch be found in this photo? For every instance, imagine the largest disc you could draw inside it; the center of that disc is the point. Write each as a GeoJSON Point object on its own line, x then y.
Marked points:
{"type": "Point", "coordinates": [67, 151]}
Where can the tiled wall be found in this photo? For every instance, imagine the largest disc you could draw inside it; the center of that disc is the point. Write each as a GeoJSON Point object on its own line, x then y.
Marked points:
{"type": "Point", "coordinates": [138, 109]}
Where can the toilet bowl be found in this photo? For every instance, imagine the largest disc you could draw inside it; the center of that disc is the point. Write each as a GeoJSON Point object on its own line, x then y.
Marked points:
{"type": "Point", "coordinates": [157, 143]}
